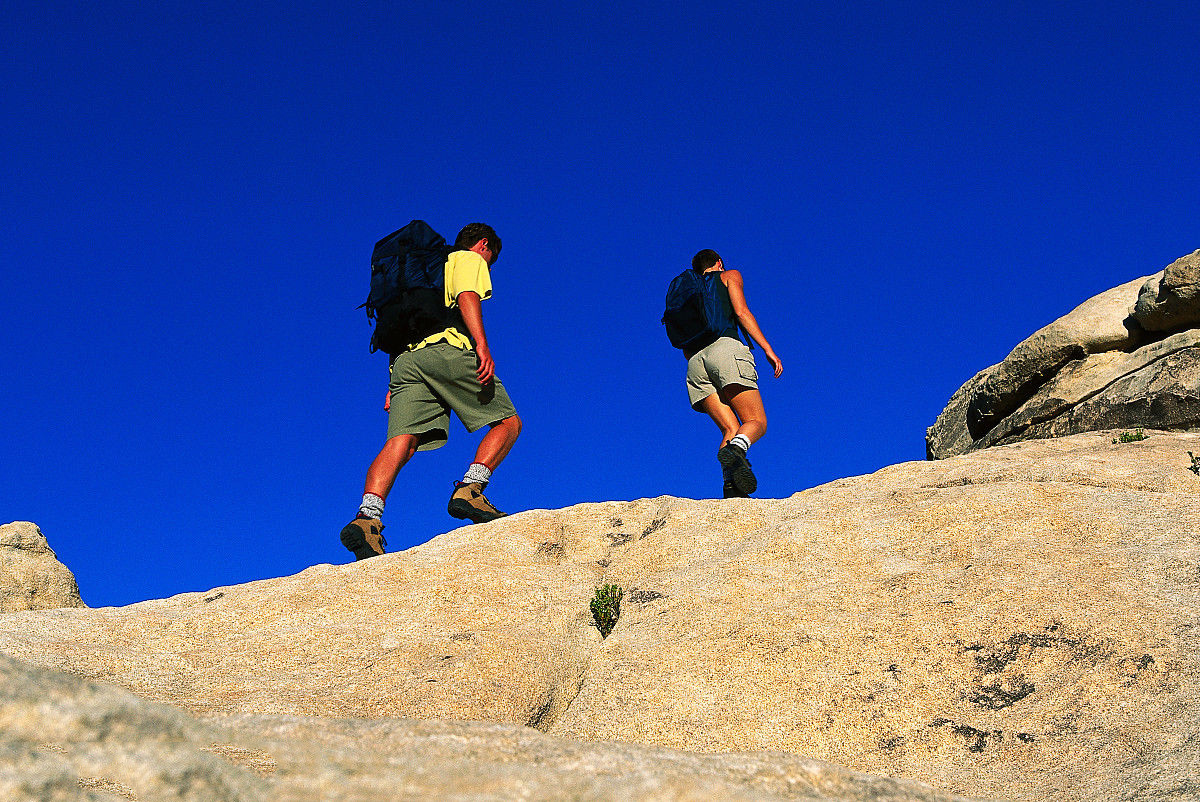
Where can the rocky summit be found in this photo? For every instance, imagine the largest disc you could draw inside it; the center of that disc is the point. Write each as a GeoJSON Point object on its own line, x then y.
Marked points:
{"type": "Point", "coordinates": [1129, 357]}
{"type": "Point", "coordinates": [31, 577]}
{"type": "Point", "coordinates": [1014, 623]}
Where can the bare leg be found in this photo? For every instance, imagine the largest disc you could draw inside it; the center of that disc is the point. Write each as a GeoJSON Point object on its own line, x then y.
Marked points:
{"type": "Point", "coordinates": [396, 452]}
{"type": "Point", "coordinates": [747, 404]}
{"type": "Point", "coordinates": [722, 415]}
{"type": "Point", "coordinates": [496, 444]}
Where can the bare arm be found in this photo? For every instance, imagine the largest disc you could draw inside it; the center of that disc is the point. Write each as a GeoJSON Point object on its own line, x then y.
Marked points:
{"type": "Point", "coordinates": [472, 313]}
{"type": "Point", "coordinates": [737, 299]}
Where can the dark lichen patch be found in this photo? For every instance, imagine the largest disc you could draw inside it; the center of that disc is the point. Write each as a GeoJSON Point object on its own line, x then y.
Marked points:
{"type": "Point", "coordinates": [213, 598]}
{"type": "Point", "coordinates": [1019, 645]}
{"type": "Point", "coordinates": [891, 744]}
{"type": "Point", "coordinates": [655, 525]}
{"type": "Point", "coordinates": [644, 596]}
{"type": "Point", "coordinates": [551, 549]}
{"type": "Point", "coordinates": [619, 538]}
{"type": "Point", "coordinates": [996, 697]}
{"type": "Point", "coordinates": [615, 522]}
{"type": "Point", "coordinates": [978, 740]}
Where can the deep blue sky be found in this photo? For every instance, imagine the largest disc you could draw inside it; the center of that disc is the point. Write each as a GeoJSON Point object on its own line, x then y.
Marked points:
{"type": "Point", "coordinates": [191, 193]}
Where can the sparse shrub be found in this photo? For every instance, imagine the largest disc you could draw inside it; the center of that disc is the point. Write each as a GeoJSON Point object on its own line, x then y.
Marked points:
{"type": "Point", "coordinates": [606, 608]}
{"type": "Point", "coordinates": [1195, 466]}
{"type": "Point", "coordinates": [1131, 437]}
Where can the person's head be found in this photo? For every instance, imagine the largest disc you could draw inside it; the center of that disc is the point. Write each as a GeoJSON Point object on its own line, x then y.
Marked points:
{"type": "Point", "coordinates": [705, 259]}
{"type": "Point", "coordinates": [479, 237]}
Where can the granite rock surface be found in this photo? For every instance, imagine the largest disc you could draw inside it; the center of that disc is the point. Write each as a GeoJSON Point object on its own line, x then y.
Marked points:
{"type": "Point", "coordinates": [1017, 623]}
{"type": "Point", "coordinates": [31, 577]}
{"type": "Point", "coordinates": [1118, 360]}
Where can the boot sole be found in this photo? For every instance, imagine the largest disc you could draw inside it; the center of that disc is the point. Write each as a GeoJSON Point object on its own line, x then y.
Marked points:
{"type": "Point", "coordinates": [738, 469]}
{"type": "Point", "coordinates": [354, 540]}
{"type": "Point", "coordinates": [462, 510]}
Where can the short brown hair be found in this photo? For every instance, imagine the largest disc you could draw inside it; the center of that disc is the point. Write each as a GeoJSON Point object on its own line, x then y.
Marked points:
{"type": "Point", "coordinates": [705, 259]}
{"type": "Point", "coordinates": [473, 232]}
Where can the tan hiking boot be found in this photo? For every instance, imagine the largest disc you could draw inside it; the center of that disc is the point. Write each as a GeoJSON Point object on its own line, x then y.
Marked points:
{"type": "Point", "coordinates": [364, 537]}
{"type": "Point", "coordinates": [468, 502]}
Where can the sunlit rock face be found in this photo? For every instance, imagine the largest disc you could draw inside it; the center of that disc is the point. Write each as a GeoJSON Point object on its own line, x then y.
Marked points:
{"type": "Point", "coordinates": [1015, 623]}
{"type": "Point", "coordinates": [1127, 358]}
{"type": "Point", "coordinates": [31, 577]}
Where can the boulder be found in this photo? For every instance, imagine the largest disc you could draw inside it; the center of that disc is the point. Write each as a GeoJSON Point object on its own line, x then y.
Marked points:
{"type": "Point", "coordinates": [65, 738]}
{"type": "Point", "coordinates": [1014, 623]}
{"type": "Point", "coordinates": [1171, 301]}
{"type": "Point", "coordinates": [1098, 324]}
{"type": "Point", "coordinates": [31, 577]}
{"type": "Point", "coordinates": [1113, 390]}
{"type": "Point", "coordinates": [1073, 362]}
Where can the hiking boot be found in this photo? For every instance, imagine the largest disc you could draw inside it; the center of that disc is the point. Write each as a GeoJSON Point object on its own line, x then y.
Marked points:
{"type": "Point", "coordinates": [729, 490]}
{"type": "Point", "coordinates": [364, 537]}
{"type": "Point", "coordinates": [468, 502]}
{"type": "Point", "coordinates": [736, 469]}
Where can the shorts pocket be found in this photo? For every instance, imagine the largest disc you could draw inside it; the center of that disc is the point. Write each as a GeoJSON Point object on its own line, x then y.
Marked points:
{"type": "Point", "coordinates": [746, 369]}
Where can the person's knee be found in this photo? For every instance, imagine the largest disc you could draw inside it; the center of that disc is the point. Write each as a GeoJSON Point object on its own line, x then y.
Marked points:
{"type": "Point", "coordinates": [512, 425]}
{"type": "Point", "coordinates": [401, 446]}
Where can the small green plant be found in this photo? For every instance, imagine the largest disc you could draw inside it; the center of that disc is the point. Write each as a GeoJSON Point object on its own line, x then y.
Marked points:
{"type": "Point", "coordinates": [1131, 437]}
{"type": "Point", "coordinates": [606, 608]}
{"type": "Point", "coordinates": [1195, 466]}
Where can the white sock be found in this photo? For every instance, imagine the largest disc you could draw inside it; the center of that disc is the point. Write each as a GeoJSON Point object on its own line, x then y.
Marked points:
{"type": "Point", "coordinates": [741, 441]}
{"type": "Point", "coordinates": [478, 472]}
{"type": "Point", "coordinates": [372, 506]}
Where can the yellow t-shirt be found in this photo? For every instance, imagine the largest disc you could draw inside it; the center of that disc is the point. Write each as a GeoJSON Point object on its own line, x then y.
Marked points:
{"type": "Point", "coordinates": [465, 271]}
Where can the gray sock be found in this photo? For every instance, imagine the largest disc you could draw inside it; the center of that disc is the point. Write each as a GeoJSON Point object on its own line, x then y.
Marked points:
{"type": "Point", "coordinates": [372, 506]}
{"type": "Point", "coordinates": [478, 472]}
{"type": "Point", "coordinates": [741, 441]}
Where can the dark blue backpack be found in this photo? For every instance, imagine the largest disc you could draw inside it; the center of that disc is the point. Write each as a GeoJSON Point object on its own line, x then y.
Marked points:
{"type": "Point", "coordinates": [697, 312]}
{"type": "Point", "coordinates": [407, 298]}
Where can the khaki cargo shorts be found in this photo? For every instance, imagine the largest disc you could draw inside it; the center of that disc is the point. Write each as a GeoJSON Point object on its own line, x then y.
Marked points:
{"type": "Point", "coordinates": [725, 362]}
{"type": "Point", "coordinates": [430, 382]}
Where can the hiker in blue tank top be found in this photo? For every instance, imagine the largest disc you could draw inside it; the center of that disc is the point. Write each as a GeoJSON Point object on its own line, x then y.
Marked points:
{"type": "Point", "coordinates": [722, 379]}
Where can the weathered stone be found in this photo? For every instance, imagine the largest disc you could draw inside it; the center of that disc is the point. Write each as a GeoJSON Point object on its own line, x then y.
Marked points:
{"type": "Point", "coordinates": [1016, 623]}
{"type": "Point", "coordinates": [65, 738]}
{"type": "Point", "coordinates": [31, 577]}
{"type": "Point", "coordinates": [1165, 394]}
{"type": "Point", "coordinates": [1171, 301]}
{"type": "Point", "coordinates": [1099, 324]}
{"type": "Point", "coordinates": [949, 435]}
{"type": "Point", "coordinates": [1093, 393]}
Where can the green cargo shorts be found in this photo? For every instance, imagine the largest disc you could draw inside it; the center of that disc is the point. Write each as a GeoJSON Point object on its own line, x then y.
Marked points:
{"type": "Point", "coordinates": [430, 382]}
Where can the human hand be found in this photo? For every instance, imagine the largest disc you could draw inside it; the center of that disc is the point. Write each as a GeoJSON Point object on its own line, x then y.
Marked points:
{"type": "Point", "coordinates": [387, 401]}
{"type": "Point", "coordinates": [486, 369]}
{"type": "Point", "coordinates": [776, 363]}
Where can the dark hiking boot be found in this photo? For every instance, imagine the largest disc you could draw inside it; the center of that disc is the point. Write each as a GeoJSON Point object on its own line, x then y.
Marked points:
{"type": "Point", "coordinates": [736, 469]}
{"type": "Point", "coordinates": [364, 537]}
{"type": "Point", "coordinates": [469, 503]}
{"type": "Point", "coordinates": [729, 490]}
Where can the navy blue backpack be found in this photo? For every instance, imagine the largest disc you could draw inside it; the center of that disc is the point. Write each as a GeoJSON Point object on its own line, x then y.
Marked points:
{"type": "Point", "coordinates": [697, 313]}
{"type": "Point", "coordinates": [407, 301]}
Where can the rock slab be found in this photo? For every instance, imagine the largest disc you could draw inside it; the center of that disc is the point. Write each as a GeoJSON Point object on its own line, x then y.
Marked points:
{"type": "Point", "coordinates": [66, 738]}
{"type": "Point", "coordinates": [1015, 623]}
{"type": "Point", "coordinates": [31, 577]}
